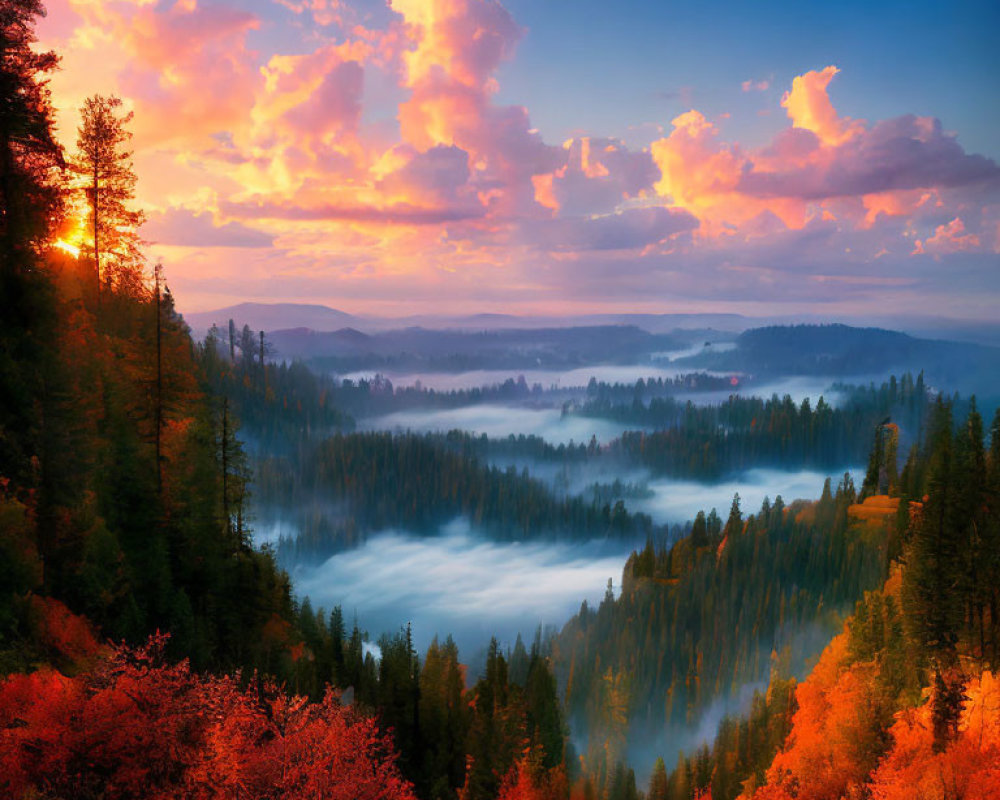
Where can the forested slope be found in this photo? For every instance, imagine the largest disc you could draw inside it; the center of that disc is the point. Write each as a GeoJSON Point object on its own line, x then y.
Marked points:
{"type": "Point", "coordinates": [699, 620]}
{"type": "Point", "coordinates": [904, 702]}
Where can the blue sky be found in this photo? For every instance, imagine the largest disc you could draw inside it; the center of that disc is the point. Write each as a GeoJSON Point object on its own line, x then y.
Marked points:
{"type": "Point", "coordinates": [602, 67]}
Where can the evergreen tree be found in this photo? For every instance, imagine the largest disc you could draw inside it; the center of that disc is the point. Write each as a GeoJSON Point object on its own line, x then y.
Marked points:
{"type": "Point", "coordinates": [30, 156]}
{"type": "Point", "coordinates": [103, 166]}
{"type": "Point", "coordinates": [30, 204]}
{"type": "Point", "coordinates": [659, 788]}
{"type": "Point", "coordinates": [933, 574]}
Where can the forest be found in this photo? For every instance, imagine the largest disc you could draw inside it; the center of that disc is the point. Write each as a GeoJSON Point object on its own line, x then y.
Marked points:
{"type": "Point", "coordinates": [148, 646]}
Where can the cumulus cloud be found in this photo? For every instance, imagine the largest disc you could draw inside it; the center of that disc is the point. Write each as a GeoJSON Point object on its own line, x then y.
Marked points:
{"type": "Point", "coordinates": [594, 177]}
{"type": "Point", "coordinates": [949, 238]}
{"type": "Point", "coordinates": [809, 107]}
{"type": "Point", "coordinates": [898, 154]}
{"type": "Point", "coordinates": [629, 229]}
{"type": "Point", "coordinates": [184, 228]}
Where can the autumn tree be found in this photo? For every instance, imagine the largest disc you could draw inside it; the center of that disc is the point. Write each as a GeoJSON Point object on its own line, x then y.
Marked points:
{"type": "Point", "coordinates": [137, 726]}
{"type": "Point", "coordinates": [103, 165]}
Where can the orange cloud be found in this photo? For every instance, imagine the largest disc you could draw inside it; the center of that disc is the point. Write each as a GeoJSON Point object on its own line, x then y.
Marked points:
{"type": "Point", "coordinates": [809, 107]}
{"type": "Point", "coordinates": [893, 204]}
{"type": "Point", "coordinates": [702, 175]}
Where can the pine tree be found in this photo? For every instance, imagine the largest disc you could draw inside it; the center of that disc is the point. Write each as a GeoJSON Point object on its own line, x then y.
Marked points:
{"type": "Point", "coordinates": [30, 157]}
{"type": "Point", "coordinates": [659, 786]}
{"type": "Point", "coordinates": [933, 558]}
{"type": "Point", "coordinates": [30, 203]}
{"type": "Point", "coordinates": [103, 166]}
{"type": "Point", "coordinates": [970, 479]}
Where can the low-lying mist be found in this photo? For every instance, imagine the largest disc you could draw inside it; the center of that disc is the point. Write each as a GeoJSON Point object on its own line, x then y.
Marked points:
{"type": "Point", "coordinates": [796, 650]}
{"type": "Point", "coordinates": [498, 421]}
{"type": "Point", "coordinates": [546, 378]}
{"type": "Point", "coordinates": [462, 584]}
{"type": "Point", "coordinates": [680, 500]}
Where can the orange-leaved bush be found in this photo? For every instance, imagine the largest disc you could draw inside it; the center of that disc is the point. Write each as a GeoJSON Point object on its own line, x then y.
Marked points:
{"type": "Point", "coordinates": [138, 727]}
{"type": "Point", "coordinates": [968, 768]}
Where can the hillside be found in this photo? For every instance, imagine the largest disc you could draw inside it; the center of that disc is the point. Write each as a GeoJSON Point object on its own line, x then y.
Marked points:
{"type": "Point", "coordinates": [904, 702]}
{"type": "Point", "coordinates": [832, 350]}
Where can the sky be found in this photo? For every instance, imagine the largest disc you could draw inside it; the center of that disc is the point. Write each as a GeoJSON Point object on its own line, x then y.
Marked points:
{"type": "Point", "coordinates": [556, 157]}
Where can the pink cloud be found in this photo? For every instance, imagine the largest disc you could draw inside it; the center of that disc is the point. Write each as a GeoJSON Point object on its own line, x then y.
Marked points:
{"type": "Point", "coordinates": [595, 176]}
{"type": "Point", "coordinates": [190, 72]}
{"type": "Point", "coordinates": [180, 227]}
{"type": "Point", "coordinates": [948, 238]}
{"type": "Point", "coordinates": [755, 86]}
{"type": "Point", "coordinates": [458, 45]}
{"type": "Point", "coordinates": [824, 165]}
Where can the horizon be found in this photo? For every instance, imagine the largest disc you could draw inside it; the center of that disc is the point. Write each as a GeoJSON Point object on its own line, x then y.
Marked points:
{"type": "Point", "coordinates": [404, 158]}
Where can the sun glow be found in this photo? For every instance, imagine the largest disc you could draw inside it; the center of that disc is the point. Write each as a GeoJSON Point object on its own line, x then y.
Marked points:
{"type": "Point", "coordinates": [66, 247]}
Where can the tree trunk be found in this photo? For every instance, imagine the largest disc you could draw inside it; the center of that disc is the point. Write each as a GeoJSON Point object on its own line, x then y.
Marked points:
{"type": "Point", "coordinates": [159, 386]}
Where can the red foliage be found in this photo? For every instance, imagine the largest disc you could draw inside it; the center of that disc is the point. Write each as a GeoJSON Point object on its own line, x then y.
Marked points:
{"type": "Point", "coordinates": [68, 637]}
{"type": "Point", "coordinates": [136, 727]}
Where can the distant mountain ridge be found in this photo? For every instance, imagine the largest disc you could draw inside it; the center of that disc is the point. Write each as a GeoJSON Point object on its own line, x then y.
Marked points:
{"type": "Point", "coordinates": [418, 348]}
{"type": "Point", "coordinates": [272, 316]}
{"type": "Point", "coordinates": [288, 316]}
{"type": "Point", "coordinates": [285, 316]}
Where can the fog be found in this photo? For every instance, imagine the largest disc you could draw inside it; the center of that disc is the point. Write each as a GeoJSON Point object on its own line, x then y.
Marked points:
{"type": "Point", "coordinates": [798, 650]}
{"type": "Point", "coordinates": [462, 584]}
{"type": "Point", "coordinates": [694, 350]}
{"type": "Point", "coordinates": [562, 379]}
{"type": "Point", "coordinates": [798, 387]}
{"type": "Point", "coordinates": [498, 421]}
{"type": "Point", "coordinates": [680, 500]}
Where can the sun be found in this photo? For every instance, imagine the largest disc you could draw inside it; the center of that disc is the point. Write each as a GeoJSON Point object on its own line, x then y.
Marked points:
{"type": "Point", "coordinates": [67, 247]}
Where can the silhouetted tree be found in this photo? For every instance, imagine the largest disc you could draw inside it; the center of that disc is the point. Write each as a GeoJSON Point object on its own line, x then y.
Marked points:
{"type": "Point", "coordinates": [103, 165]}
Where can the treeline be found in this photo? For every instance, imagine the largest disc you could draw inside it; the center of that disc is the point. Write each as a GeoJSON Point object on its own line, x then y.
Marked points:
{"type": "Point", "coordinates": [377, 395]}
{"type": "Point", "coordinates": [379, 480]}
{"type": "Point", "coordinates": [933, 628]}
{"type": "Point", "coordinates": [602, 394]}
{"type": "Point", "coordinates": [281, 406]}
{"type": "Point", "coordinates": [698, 620]}
{"type": "Point", "coordinates": [710, 441]}
{"type": "Point", "coordinates": [453, 741]}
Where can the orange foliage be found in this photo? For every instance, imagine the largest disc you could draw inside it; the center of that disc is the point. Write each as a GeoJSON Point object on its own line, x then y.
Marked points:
{"type": "Point", "coordinates": [876, 507]}
{"type": "Point", "coordinates": [527, 782]}
{"type": "Point", "coordinates": [138, 728]}
{"type": "Point", "coordinates": [836, 748]}
{"type": "Point", "coordinates": [829, 749]}
{"type": "Point", "coordinates": [969, 768]}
